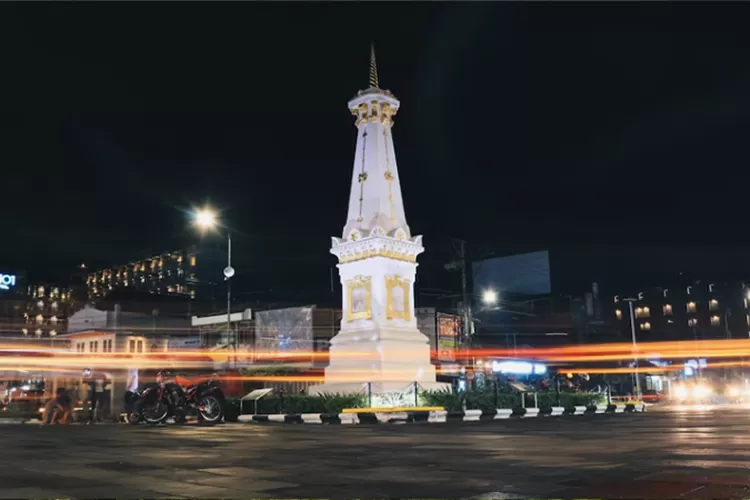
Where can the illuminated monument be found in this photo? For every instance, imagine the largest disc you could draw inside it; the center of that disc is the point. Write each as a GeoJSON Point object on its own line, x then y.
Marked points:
{"type": "Point", "coordinates": [378, 341]}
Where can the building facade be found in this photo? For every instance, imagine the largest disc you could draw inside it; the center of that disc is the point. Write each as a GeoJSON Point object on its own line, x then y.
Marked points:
{"type": "Point", "coordinates": [686, 310]}
{"type": "Point", "coordinates": [13, 301]}
{"type": "Point", "coordinates": [48, 307]}
{"type": "Point", "coordinates": [194, 272]}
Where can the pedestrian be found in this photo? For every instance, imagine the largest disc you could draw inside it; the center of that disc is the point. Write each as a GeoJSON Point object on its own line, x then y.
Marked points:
{"type": "Point", "coordinates": [131, 390]}
{"type": "Point", "coordinates": [98, 383]}
{"type": "Point", "coordinates": [57, 410]}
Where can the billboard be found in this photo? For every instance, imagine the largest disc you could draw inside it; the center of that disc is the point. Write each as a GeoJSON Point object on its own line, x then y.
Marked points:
{"type": "Point", "coordinates": [281, 331]}
{"type": "Point", "coordinates": [448, 331]}
{"type": "Point", "coordinates": [527, 273]}
{"type": "Point", "coordinates": [183, 343]}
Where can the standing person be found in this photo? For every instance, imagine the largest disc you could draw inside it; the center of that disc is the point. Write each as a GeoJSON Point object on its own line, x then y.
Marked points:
{"type": "Point", "coordinates": [98, 382]}
{"type": "Point", "coordinates": [131, 389]}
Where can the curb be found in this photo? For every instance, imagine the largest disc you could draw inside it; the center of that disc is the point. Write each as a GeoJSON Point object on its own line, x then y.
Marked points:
{"type": "Point", "coordinates": [433, 417]}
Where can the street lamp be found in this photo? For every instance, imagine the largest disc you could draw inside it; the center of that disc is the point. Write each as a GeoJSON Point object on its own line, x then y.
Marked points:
{"type": "Point", "coordinates": [635, 347]}
{"type": "Point", "coordinates": [489, 297]}
{"type": "Point", "coordinates": [206, 219]}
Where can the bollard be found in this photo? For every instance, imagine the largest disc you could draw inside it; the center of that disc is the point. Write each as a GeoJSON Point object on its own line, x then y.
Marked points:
{"type": "Point", "coordinates": [369, 394]}
{"type": "Point", "coordinates": [416, 393]}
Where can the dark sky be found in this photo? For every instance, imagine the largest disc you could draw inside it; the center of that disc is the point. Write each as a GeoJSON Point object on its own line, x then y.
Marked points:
{"type": "Point", "coordinates": [606, 125]}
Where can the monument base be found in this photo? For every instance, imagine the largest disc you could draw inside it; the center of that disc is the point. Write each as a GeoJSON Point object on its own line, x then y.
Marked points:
{"type": "Point", "coordinates": [383, 364]}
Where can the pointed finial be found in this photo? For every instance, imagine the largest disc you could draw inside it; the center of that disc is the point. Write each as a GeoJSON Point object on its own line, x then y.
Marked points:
{"type": "Point", "coordinates": [373, 68]}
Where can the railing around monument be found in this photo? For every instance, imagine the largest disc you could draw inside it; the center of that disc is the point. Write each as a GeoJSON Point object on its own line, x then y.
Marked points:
{"type": "Point", "coordinates": [404, 397]}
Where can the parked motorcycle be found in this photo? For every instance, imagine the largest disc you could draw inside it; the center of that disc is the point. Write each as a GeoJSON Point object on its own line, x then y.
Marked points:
{"type": "Point", "coordinates": [156, 404]}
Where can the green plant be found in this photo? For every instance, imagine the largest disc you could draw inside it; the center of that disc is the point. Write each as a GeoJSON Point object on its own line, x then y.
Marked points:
{"type": "Point", "coordinates": [336, 402]}
{"type": "Point", "coordinates": [489, 398]}
{"type": "Point", "coordinates": [271, 370]}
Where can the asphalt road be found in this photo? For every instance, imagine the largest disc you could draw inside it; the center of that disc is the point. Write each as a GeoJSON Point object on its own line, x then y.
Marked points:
{"type": "Point", "coordinates": [668, 454]}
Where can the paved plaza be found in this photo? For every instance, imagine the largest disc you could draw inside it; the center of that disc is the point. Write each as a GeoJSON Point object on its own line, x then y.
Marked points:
{"type": "Point", "coordinates": [668, 454]}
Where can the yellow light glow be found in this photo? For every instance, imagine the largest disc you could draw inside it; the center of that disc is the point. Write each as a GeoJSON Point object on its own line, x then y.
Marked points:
{"type": "Point", "coordinates": [680, 392]}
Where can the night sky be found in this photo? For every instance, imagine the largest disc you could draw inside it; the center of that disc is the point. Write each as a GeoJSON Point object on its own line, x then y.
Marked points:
{"type": "Point", "coordinates": [609, 128]}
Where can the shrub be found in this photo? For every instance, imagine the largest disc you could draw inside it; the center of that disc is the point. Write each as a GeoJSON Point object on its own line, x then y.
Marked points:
{"type": "Point", "coordinates": [303, 403]}
{"type": "Point", "coordinates": [487, 399]}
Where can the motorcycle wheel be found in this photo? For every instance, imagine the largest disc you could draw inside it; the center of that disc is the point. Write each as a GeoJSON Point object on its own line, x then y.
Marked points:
{"type": "Point", "coordinates": [210, 409]}
{"type": "Point", "coordinates": [134, 418]}
{"type": "Point", "coordinates": [152, 414]}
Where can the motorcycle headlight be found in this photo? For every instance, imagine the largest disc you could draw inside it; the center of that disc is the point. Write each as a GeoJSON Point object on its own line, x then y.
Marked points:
{"type": "Point", "coordinates": [701, 391]}
{"type": "Point", "coordinates": [680, 392]}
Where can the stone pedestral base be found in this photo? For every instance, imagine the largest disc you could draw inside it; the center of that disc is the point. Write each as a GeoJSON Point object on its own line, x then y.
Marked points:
{"type": "Point", "coordinates": [383, 361]}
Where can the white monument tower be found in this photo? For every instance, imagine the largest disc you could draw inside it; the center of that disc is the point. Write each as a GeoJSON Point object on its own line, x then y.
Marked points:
{"type": "Point", "coordinates": [379, 342]}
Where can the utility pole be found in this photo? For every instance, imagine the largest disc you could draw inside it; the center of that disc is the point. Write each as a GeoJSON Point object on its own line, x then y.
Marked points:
{"type": "Point", "coordinates": [635, 347]}
{"type": "Point", "coordinates": [461, 264]}
{"type": "Point", "coordinates": [466, 297]}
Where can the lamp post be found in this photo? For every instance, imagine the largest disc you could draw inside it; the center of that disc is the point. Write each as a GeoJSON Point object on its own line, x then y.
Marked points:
{"type": "Point", "coordinates": [205, 219]}
{"type": "Point", "coordinates": [635, 347]}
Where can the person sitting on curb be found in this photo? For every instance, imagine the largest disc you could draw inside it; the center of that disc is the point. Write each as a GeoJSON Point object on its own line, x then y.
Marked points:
{"type": "Point", "coordinates": [57, 410]}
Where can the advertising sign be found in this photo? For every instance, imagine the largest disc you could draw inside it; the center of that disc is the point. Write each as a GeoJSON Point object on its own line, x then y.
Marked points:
{"type": "Point", "coordinates": [281, 331]}
{"type": "Point", "coordinates": [449, 328]}
{"type": "Point", "coordinates": [7, 281]}
{"type": "Point", "coordinates": [184, 343]}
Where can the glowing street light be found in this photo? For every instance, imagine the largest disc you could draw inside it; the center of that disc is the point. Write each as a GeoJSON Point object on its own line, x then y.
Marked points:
{"type": "Point", "coordinates": [489, 297]}
{"type": "Point", "coordinates": [205, 218]}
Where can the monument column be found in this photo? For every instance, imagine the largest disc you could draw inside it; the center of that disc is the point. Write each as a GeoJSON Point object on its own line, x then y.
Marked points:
{"type": "Point", "coordinates": [379, 342]}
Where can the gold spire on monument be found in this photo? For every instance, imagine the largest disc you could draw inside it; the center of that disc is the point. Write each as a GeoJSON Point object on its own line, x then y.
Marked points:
{"type": "Point", "coordinates": [373, 68]}
{"type": "Point", "coordinates": [374, 87]}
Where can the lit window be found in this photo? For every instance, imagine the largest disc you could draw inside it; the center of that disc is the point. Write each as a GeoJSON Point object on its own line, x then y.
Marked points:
{"type": "Point", "coordinates": [40, 291]}
{"type": "Point", "coordinates": [646, 312]}
{"type": "Point", "coordinates": [140, 346]}
{"type": "Point", "coordinates": [715, 321]}
{"type": "Point", "coordinates": [192, 260]}
{"type": "Point", "coordinates": [667, 309]}
{"type": "Point", "coordinates": [53, 306]}
{"type": "Point", "coordinates": [39, 318]}
{"type": "Point", "coordinates": [53, 320]}
{"type": "Point", "coordinates": [52, 333]}
{"type": "Point", "coordinates": [179, 259]}
{"type": "Point", "coordinates": [38, 332]}
{"type": "Point", "coordinates": [40, 304]}
{"type": "Point", "coordinates": [645, 326]}
{"type": "Point", "coordinates": [132, 346]}
{"type": "Point", "coordinates": [691, 307]}
{"type": "Point", "coordinates": [692, 322]}
{"type": "Point", "coordinates": [25, 331]}
{"type": "Point", "coordinates": [642, 312]}
{"type": "Point", "coordinates": [713, 305]}
{"type": "Point", "coordinates": [747, 319]}
{"type": "Point", "coordinates": [618, 313]}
